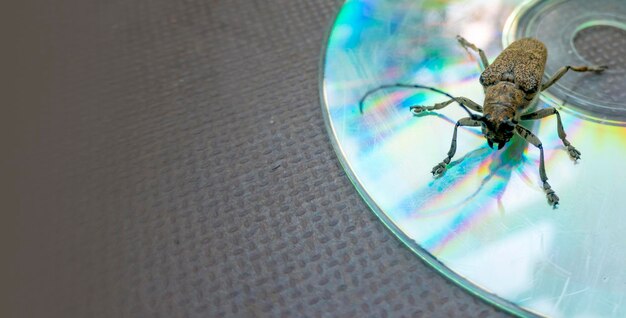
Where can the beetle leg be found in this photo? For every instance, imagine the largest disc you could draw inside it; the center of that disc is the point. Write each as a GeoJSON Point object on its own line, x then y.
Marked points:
{"type": "Point", "coordinates": [461, 100]}
{"type": "Point", "coordinates": [553, 199]}
{"type": "Point", "coordinates": [564, 70]}
{"type": "Point", "coordinates": [573, 152]}
{"type": "Point", "coordinates": [439, 169]}
{"type": "Point", "coordinates": [467, 45]}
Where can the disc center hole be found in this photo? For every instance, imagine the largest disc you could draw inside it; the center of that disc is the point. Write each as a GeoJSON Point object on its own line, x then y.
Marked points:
{"type": "Point", "coordinates": [602, 43]}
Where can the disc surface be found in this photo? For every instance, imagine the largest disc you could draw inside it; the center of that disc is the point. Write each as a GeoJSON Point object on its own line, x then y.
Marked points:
{"type": "Point", "coordinates": [485, 223]}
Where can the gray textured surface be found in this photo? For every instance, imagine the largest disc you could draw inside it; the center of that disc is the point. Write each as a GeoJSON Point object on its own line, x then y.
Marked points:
{"type": "Point", "coordinates": [169, 159]}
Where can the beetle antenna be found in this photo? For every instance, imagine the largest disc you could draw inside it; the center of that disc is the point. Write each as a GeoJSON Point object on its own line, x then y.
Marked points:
{"type": "Point", "coordinates": [478, 117]}
{"type": "Point", "coordinates": [371, 91]}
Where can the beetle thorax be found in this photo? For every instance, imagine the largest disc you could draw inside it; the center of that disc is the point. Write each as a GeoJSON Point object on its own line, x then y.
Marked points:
{"type": "Point", "coordinates": [502, 101]}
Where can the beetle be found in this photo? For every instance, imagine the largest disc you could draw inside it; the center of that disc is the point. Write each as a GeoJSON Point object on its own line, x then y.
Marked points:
{"type": "Point", "coordinates": [510, 84]}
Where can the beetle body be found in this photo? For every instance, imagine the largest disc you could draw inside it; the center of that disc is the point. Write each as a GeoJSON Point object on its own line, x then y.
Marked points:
{"type": "Point", "coordinates": [510, 84]}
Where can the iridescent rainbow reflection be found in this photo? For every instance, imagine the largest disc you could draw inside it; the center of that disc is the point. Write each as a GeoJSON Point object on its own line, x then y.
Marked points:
{"type": "Point", "coordinates": [486, 223]}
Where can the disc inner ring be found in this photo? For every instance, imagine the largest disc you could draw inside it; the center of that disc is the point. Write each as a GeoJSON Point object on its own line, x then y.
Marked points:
{"type": "Point", "coordinates": [576, 33]}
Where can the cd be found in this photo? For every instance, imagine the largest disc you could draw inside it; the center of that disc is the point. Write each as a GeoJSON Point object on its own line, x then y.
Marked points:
{"type": "Point", "coordinates": [486, 223]}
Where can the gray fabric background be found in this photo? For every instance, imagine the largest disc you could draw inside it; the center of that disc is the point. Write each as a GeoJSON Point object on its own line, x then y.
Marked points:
{"type": "Point", "coordinates": [169, 158]}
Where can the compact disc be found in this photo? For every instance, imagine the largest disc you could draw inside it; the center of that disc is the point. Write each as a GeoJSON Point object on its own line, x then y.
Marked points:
{"type": "Point", "coordinates": [486, 223]}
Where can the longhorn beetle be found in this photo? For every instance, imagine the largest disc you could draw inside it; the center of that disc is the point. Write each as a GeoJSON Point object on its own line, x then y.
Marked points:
{"type": "Point", "coordinates": [510, 84]}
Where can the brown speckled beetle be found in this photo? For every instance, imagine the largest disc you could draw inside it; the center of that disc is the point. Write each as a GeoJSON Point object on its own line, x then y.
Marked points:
{"type": "Point", "coordinates": [510, 84]}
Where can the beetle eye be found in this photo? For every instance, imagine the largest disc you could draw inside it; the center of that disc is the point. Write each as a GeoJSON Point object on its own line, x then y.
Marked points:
{"type": "Point", "coordinates": [530, 90]}
{"type": "Point", "coordinates": [509, 125]}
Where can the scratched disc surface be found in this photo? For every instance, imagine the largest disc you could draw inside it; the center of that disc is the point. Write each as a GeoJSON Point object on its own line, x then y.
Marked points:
{"type": "Point", "coordinates": [485, 223]}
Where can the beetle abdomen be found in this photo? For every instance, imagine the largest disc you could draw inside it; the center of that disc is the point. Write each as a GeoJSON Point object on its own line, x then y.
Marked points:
{"type": "Point", "coordinates": [521, 63]}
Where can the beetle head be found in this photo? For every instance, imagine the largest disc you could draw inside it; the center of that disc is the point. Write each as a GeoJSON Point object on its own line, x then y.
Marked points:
{"type": "Point", "coordinates": [497, 131]}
